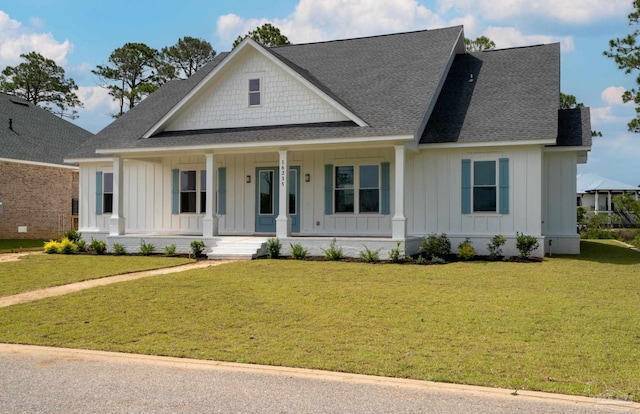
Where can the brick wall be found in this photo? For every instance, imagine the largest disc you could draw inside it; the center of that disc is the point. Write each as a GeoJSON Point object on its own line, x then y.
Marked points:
{"type": "Point", "coordinates": [38, 197]}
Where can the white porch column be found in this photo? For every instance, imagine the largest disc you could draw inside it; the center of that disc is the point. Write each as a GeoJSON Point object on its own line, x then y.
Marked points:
{"type": "Point", "coordinates": [210, 220]}
{"type": "Point", "coordinates": [116, 222]}
{"type": "Point", "coordinates": [597, 208]}
{"type": "Point", "coordinates": [609, 201]}
{"type": "Point", "coordinates": [283, 223]}
{"type": "Point", "coordinates": [399, 221]}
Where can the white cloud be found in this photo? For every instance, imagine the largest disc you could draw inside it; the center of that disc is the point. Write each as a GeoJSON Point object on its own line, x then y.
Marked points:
{"type": "Point", "coordinates": [505, 37]}
{"type": "Point", "coordinates": [15, 39]}
{"type": "Point", "coordinates": [314, 21]}
{"type": "Point", "coordinates": [96, 99]}
{"type": "Point", "coordinates": [581, 12]}
{"type": "Point", "coordinates": [613, 95]}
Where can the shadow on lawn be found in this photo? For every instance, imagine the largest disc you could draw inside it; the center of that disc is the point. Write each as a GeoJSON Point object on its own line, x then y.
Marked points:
{"type": "Point", "coordinates": [606, 252]}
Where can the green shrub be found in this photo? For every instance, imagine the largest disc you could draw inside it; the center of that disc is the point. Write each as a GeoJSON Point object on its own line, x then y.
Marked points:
{"type": "Point", "coordinates": [98, 246]}
{"type": "Point", "coordinates": [370, 256]}
{"type": "Point", "coordinates": [73, 235]}
{"type": "Point", "coordinates": [197, 246]}
{"type": "Point", "coordinates": [273, 248]}
{"type": "Point", "coordinates": [466, 250]}
{"type": "Point", "coordinates": [82, 245]}
{"type": "Point", "coordinates": [495, 247]}
{"type": "Point", "coordinates": [170, 250]}
{"type": "Point", "coordinates": [434, 245]}
{"type": "Point", "coordinates": [52, 247]}
{"type": "Point", "coordinates": [421, 260]}
{"type": "Point", "coordinates": [298, 252]}
{"type": "Point", "coordinates": [435, 260]}
{"type": "Point", "coordinates": [146, 248]}
{"type": "Point", "coordinates": [333, 253]}
{"type": "Point", "coordinates": [396, 255]}
{"type": "Point", "coordinates": [526, 244]}
{"type": "Point", "coordinates": [597, 226]}
{"type": "Point", "coordinates": [119, 249]}
{"type": "Point", "coordinates": [636, 241]}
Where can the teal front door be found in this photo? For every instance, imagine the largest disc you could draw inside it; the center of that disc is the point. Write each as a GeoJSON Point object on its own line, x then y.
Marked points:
{"type": "Point", "coordinates": [267, 201]}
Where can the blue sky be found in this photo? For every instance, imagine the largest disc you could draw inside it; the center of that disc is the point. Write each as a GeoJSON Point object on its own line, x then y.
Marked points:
{"type": "Point", "coordinates": [81, 35]}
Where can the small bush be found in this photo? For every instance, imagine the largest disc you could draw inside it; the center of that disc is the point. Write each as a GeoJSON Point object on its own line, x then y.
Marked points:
{"type": "Point", "coordinates": [396, 255]}
{"type": "Point", "coordinates": [333, 253]}
{"type": "Point", "coordinates": [119, 249]}
{"type": "Point", "coordinates": [98, 246]}
{"type": "Point", "coordinates": [82, 245]}
{"type": "Point", "coordinates": [495, 247]}
{"type": "Point", "coordinates": [146, 248]}
{"type": "Point", "coordinates": [273, 248]}
{"type": "Point", "coordinates": [370, 256]}
{"type": "Point", "coordinates": [466, 250]}
{"type": "Point", "coordinates": [434, 245]}
{"type": "Point", "coordinates": [52, 247]}
{"type": "Point", "coordinates": [298, 252]}
{"type": "Point", "coordinates": [73, 235]}
{"type": "Point", "coordinates": [636, 241]}
{"type": "Point", "coordinates": [421, 260]}
{"type": "Point", "coordinates": [435, 260]}
{"type": "Point", "coordinates": [526, 244]}
{"type": "Point", "coordinates": [197, 246]}
{"type": "Point", "coordinates": [170, 250]}
{"type": "Point", "coordinates": [67, 246]}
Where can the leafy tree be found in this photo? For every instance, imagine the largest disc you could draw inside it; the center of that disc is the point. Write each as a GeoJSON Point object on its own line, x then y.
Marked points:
{"type": "Point", "coordinates": [480, 44]}
{"type": "Point", "coordinates": [626, 53]}
{"type": "Point", "coordinates": [187, 56]}
{"type": "Point", "coordinates": [40, 81]}
{"type": "Point", "coordinates": [626, 202]}
{"type": "Point", "coordinates": [267, 34]}
{"type": "Point", "coordinates": [570, 102]}
{"type": "Point", "coordinates": [134, 72]}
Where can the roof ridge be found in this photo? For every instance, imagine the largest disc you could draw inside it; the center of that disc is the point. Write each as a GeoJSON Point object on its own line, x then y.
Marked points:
{"type": "Point", "coordinates": [518, 47]}
{"type": "Point", "coordinates": [365, 37]}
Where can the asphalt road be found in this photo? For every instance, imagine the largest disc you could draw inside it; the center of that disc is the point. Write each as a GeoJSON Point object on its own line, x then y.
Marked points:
{"type": "Point", "coordinates": [49, 380]}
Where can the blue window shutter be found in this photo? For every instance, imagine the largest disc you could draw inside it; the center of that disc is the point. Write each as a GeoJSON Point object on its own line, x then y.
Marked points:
{"type": "Point", "coordinates": [385, 207]}
{"type": "Point", "coordinates": [503, 205]}
{"type": "Point", "coordinates": [328, 189]}
{"type": "Point", "coordinates": [98, 192]}
{"type": "Point", "coordinates": [466, 186]}
{"type": "Point", "coordinates": [175, 191]}
{"type": "Point", "coordinates": [222, 190]}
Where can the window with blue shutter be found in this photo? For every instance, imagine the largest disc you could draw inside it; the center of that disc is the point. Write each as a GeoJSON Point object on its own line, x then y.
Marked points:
{"type": "Point", "coordinates": [504, 185]}
{"type": "Point", "coordinates": [328, 189]}
{"type": "Point", "coordinates": [98, 192]}
{"type": "Point", "coordinates": [175, 191]}
{"type": "Point", "coordinates": [466, 186]}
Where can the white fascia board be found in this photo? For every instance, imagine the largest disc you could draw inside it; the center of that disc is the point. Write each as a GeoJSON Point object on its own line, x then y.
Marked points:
{"type": "Point", "coordinates": [492, 144]}
{"type": "Point", "coordinates": [567, 149]}
{"type": "Point", "coordinates": [41, 164]}
{"type": "Point", "coordinates": [248, 42]}
{"type": "Point", "coordinates": [87, 160]}
{"type": "Point", "coordinates": [276, 145]}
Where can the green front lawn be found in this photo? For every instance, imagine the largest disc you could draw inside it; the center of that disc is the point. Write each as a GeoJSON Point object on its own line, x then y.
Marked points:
{"type": "Point", "coordinates": [40, 270]}
{"type": "Point", "coordinates": [17, 245]}
{"type": "Point", "coordinates": [568, 324]}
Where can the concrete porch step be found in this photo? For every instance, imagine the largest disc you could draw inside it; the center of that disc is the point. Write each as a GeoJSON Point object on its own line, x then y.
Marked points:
{"type": "Point", "coordinates": [241, 248]}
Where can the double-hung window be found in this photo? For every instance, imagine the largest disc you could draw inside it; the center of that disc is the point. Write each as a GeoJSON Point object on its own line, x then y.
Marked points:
{"type": "Point", "coordinates": [484, 186]}
{"type": "Point", "coordinates": [107, 193]}
{"type": "Point", "coordinates": [254, 92]}
{"type": "Point", "coordinates": [357, 189]}
{"type": "Point", "coordinates": [188, 192]}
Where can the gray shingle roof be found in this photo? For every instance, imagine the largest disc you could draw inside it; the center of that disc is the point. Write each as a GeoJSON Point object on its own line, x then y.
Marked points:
{"type": "Point", "coordinates": [574, 127]}
{"type": "Point", "coordinates": [36, 134]}
{"type": "Point", "coordinates": [514, 95]}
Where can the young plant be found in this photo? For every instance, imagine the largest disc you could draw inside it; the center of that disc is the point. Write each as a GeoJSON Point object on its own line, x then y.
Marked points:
{"type": "Point", "coordinates": [146, 248]}
{"type": "Point", "coordinates": [73, 235]}
{"type": "Point", "coordinates": [396, 255]}
{"type": "Point", "coordinates": [526, 244]}
{"type": "Point", "coordinates": [370, 256]}
{"type": "Point", "coordinates": [82, 245]}
{"type": "Point", "coordinates": [98, 246]}
{"type": "Point", "coordinates": [435, 246]}
{"type": "Point", "coordinates": [466, 250]}
{"type": "Point", "coordinates": [495, 247]}
{"type": "Point", "coordinates": [197, 246]}
{"type": "Point", "coordinates": [170, 250]}
{"type": "Point", "coordinates": [298, 252]}
{"type": "Point", "coordinates": [119, 249]}
{"type": "Point", "coordinates": [273, 248]}
{"type": "Point", "coordinates": [333, 253]}
{"type": "Point", "coordinates": [67, 246]}
{"type": "Point", "coordinates": [52, 247]}
{"type": "Point", "coordinates": [435, 260]}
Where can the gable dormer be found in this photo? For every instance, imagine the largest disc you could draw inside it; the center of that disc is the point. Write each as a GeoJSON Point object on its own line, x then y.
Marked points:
{"type": "Point", "coordinates": [253, 88]}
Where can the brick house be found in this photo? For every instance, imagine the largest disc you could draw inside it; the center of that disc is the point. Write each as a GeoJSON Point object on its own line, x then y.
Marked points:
{"type": "Point", "coordinates": [38, 192]}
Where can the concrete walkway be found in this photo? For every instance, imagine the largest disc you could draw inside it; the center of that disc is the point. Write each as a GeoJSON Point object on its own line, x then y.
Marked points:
{"type": "Point", "coordinates": [87, 284]}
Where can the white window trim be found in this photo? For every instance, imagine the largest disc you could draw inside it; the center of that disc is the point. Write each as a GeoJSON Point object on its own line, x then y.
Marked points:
{"type": "Point", "coordinates": [104, 177]}
{"type": "Point", "coordinates": [250, 92]}
{"type": "Point", "coordinates": [356, 190]}
{"type": "Point", "coordinates": [199, 190]}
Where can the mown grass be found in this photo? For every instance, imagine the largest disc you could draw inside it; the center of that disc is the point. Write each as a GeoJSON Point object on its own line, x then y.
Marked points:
{"type": "Point", "coordinates": [17, 244]}
{"type": "Point", "coordinates": [568, 324]}
{"type": "Point", "coordinates": [39, 270]}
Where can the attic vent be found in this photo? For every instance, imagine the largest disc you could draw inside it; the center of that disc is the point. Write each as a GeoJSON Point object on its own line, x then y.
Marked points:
{"type": "Point", "coordinates": [20, 103]}
{"type": "Point", "coordinates": [471, 78]}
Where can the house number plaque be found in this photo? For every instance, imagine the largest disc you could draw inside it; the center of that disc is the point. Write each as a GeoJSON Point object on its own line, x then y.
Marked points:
{"type": "Point", "coordinates": [282, 173]}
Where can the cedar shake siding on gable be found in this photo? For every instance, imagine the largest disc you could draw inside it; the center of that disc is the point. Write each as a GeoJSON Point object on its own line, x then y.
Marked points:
{"type": "Point", "coordinates": [38, 197]}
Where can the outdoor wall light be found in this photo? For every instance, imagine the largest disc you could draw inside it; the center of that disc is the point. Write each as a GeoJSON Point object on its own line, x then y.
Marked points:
{"type": "Point", "coordinates": [307, 178]}
{"type": "Point", "coordinates": [247, 179]}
